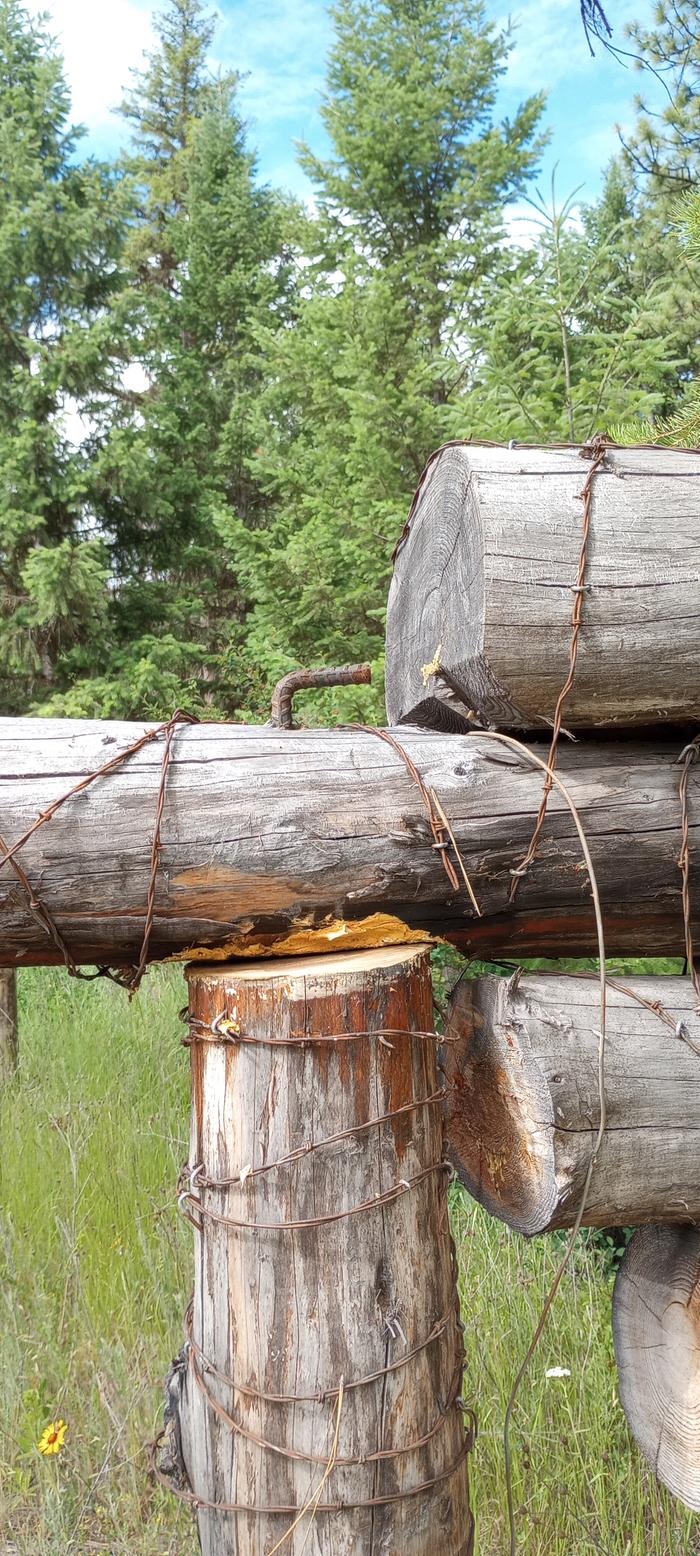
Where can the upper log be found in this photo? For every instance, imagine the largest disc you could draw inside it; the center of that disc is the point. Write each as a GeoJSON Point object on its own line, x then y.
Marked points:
{"type": "Point", "coordinates": [284, 842]}
{"type": "Point", "coordinates": [483, 587]}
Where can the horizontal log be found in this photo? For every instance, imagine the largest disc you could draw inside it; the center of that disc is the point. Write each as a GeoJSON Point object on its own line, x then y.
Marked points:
{"type": "Point", "coordinates": [289, 842]}
{"type": "Point", "coordinates": [523, 1106]}
{"type": "Point", "coordinates": [483, 586]}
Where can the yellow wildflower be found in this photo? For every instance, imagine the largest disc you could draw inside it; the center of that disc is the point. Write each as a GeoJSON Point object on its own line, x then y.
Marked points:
{"type": "Point", "coordinates": [53, 1437]}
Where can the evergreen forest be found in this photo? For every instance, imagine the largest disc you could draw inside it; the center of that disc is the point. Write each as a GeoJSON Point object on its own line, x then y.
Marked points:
{"type": "Point", "coordinates": [216, 401]}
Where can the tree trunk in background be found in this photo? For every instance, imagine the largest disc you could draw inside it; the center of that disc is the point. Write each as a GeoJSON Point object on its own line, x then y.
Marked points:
{"type": "Point", "coordinates": [362, 1296]}
{"type": "Point", "coordinates": [293, 842]}
{"type": "Point", "coordinates": [483, 582]}
{"type": "Point", "coordinates": [656, 1327]}
{"type": "Point", "coordinates": [523, 1113]}
{"type": "Point", "coordinates": [9, 1054]}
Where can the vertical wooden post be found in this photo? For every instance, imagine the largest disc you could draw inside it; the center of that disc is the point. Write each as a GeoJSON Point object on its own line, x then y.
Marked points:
{"type": "Point", "coordinates": [8, 1025]}
{"type": "Point", "coordinates": [325, 1361]}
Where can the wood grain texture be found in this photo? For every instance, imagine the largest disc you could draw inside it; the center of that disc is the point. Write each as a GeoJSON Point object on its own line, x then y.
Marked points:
{"type": "Point", "coordinates": [308, 834]}
{"type": "Point", "coordinates": [656, 1328]}
{"type": "Point", "coordinates": [293, 1312]}
{"type": "Point", "coordinates": [9, 1048]}
{"type": "Point", "coordinates": [523, 1114]}
{"type": "Point", "coordinates": [485, 576]}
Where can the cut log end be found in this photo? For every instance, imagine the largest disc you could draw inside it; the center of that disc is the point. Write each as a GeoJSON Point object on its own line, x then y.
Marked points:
{"type": "Point", "coordinates": [480, 608]}
{"type": "Point", "coordinates": [498, 1114]}
{"type": "Point", "coordinates": [292, 967]}
{"type": "Point", "coordinates": [656, 1328]}
{"type": "Point", "coordinates": [523, 1102]}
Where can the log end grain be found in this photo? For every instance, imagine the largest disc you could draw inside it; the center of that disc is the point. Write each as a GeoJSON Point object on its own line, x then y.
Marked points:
{"type": "Point", "coordinates": [656, 1328]}
{"type": "Point", "coordinates": [499, 1116]}
{"type": "Point", "coordinates": [524, 1102]}
{"type": "Point", "coordinates": [481, 602]}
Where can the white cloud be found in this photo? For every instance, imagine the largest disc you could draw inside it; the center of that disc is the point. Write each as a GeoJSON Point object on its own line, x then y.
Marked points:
{"type": "Point", "coordinates": [101, 40]}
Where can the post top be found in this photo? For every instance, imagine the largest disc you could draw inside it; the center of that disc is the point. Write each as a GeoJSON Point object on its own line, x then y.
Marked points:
{"type": "Point", "coordinates": [335, 963]}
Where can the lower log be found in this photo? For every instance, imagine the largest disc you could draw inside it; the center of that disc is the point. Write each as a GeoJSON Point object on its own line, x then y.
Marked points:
{"type": "Point", "coordinates": [325, 1358]}
{"type": "Point", "coordinates": [656, 1328]}
{"type": "Point", "coordinates": [9, 1052]}
{"type": "Point", "coordinates": [523, 1105]}
{"type": "Point", "coordinates": [288, 842]}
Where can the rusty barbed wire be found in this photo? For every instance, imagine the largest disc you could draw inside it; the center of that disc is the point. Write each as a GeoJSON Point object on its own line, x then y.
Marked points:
{"type": "Point", "coordinates": [187, 1201]}
{"type": "Point", "coordinates": [596, 452]}
{"type": "Point", "coordinates": [130, 979]}
{"type": "Point", "coordinates": [381, 1455]}
{"type": "Point", "coordinates": [290, 1510]}
{"type": "Point", "coordinates": [322, 1394]}
{"type": "Point", "coordinates": [197, 1178]}
{"type": "Point", "coordinates": [687, 759]}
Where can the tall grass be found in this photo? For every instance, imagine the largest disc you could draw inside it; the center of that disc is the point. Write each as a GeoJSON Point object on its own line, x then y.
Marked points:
{"type": "Point", "coordinates": [95, 1269]}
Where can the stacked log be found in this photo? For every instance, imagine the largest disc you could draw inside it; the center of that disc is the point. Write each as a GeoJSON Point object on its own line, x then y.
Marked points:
{"type": "Point", "coordinates": [534, 587]}
{"type": "Point", "coordinates": [522, 1062]}
{"type": "Point", "coordinates": [251, 843]}
{"type": "Point", "coordinates": [482, 590]}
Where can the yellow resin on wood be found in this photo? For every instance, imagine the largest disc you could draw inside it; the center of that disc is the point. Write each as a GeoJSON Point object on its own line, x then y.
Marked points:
{"type": "Point", "coordinates": [378, 929]}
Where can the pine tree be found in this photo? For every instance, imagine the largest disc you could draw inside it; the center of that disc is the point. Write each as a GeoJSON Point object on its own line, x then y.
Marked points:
{"type": "Point", "coordinates": [579, 334]}
{"type": "Point", "coordinates": [60, 234]}
{"type": "Point", "coordinates": [664, 149]}
{"type": "Point", "coordinates": [410, 214]}
{"type": "Point", "coordinates": [681, 428]}
{"type": "Point", "coordinates": [206, 264]}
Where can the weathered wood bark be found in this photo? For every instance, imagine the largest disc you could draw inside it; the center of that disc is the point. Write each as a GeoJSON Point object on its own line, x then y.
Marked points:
{"type": "Point", "coordinates": [484, 580]}
{"type": "Point", "coordinates": [293, 1312]}
{"type": "Point", "coordinates": [524, 1110]}
{"type": "Point", "coordinates": [309, 840]}
{"type": "Point", "coordinates": [656, 1326]}
{"type": "Point", "coordinates": [8, 1025]}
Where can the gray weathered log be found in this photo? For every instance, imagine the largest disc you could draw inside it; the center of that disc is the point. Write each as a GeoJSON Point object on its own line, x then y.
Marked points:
{"type": "Point", "coordinates": [9, 1052]}
{"type": "Point", "coordinates": [524, 1110]}
{"type": "Point", "coordinates": [485, 579]}
{"type": "Point", "coordinates": [317, 840]}
{"type": "Point", "coordinates": [656, 1327]}
{"type": "Point", "coordinates": [292, 1312]}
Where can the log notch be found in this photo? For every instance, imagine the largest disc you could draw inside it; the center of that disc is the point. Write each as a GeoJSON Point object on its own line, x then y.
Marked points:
{"type": "Point", "coordinates": [292, 1312]}
{"type": "Point", "coordinates": [316, 840]}
{"type": "Point", "coordinates": [656, 1327]}
{"type": "Point", "coordinates": [8, 1025]}
{"type": "Point", "coordinates": [484, 579]}
{"type": "Point", "coordinates": [524, 1111]}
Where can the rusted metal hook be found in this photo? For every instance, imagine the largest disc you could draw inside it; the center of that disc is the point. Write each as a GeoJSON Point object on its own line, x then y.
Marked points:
{"type": "Point", "coordinates": [304, 680]}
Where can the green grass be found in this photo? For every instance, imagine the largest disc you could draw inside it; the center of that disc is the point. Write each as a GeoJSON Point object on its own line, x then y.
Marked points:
{"type": "Point", "coordinates": [95, 1270]}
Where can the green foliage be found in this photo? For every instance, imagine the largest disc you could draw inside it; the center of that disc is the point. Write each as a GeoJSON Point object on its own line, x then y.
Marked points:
{"type": "Point", "coordinates": [60, 232]}
{"type": "Point", "coordinates": [371, 379]}
{"type": "Point", "coordinates": [205, 262]}
{"type": "Point", "coordinates": [664, 147]}
{"type": "Point", "coordinates": [570, 334]}
{"type": "Point", "coordinates": [680, 429]}
{"type": "Point", "coordinates": [214, 406]}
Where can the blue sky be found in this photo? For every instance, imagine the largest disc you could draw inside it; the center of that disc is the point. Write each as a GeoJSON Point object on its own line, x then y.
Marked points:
{"type": "Point", "coordinates": [282, 45]}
